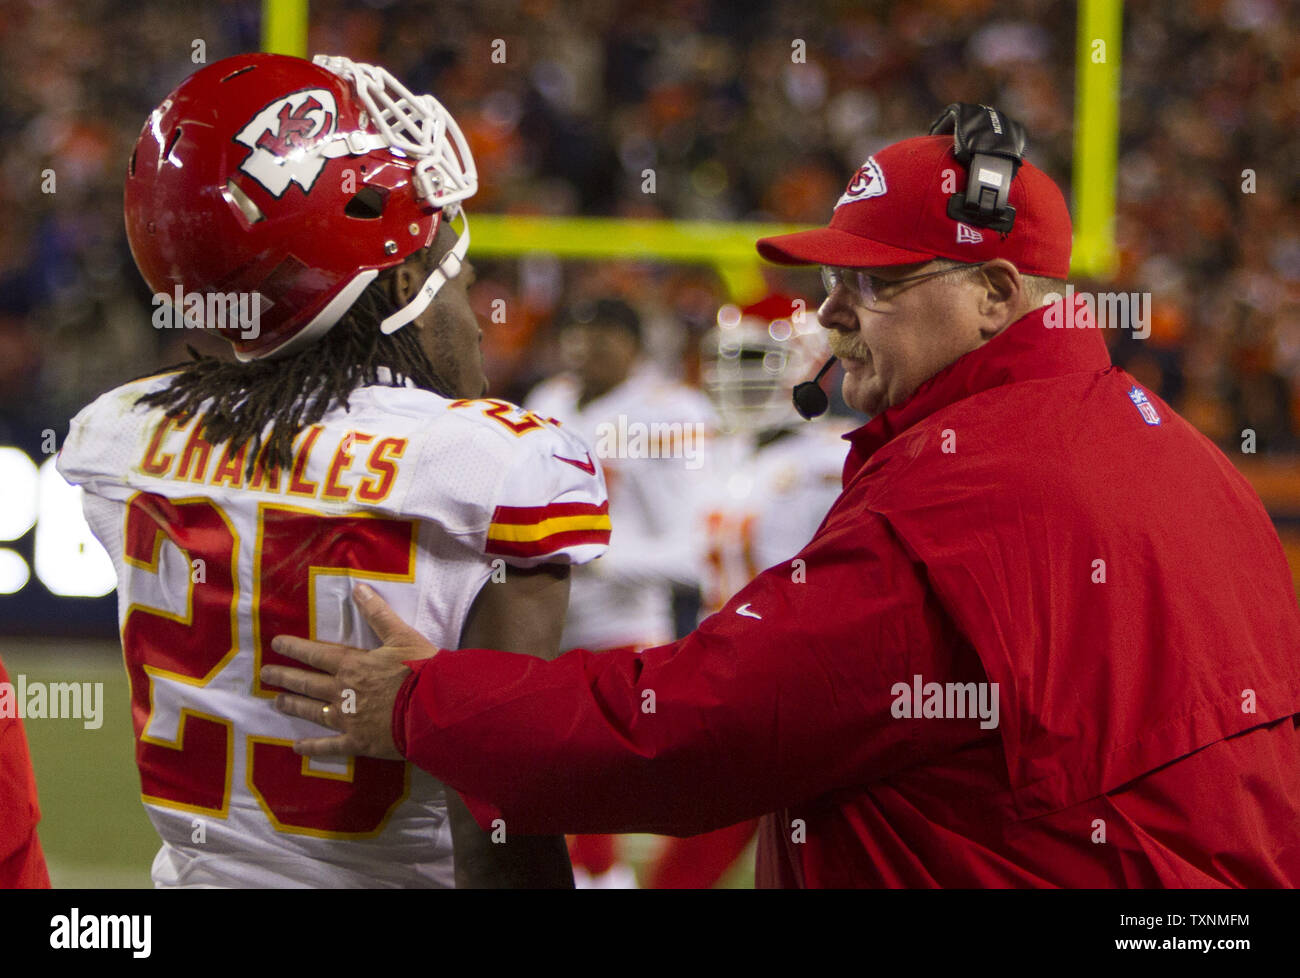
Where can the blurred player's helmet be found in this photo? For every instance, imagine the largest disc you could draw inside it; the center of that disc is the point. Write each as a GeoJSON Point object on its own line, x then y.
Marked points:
{"type": "Point", "coordinates": [297, 181]}
{"type": "Point", "coordinates": [750, 360]}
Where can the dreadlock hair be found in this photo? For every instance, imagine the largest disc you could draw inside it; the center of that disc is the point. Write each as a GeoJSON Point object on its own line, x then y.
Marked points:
{"type": "Point", "coordinates": [239, 400]}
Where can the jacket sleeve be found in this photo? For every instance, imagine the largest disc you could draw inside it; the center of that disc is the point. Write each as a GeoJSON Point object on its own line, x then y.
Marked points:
{"type": "Point", "coordinates": [782, 696]}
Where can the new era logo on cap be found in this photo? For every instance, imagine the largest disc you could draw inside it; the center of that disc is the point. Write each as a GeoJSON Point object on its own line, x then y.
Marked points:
{"type": "Point", "coordinates": [967, 234]}
{"type": "Point", "coordinates": [867, 182]}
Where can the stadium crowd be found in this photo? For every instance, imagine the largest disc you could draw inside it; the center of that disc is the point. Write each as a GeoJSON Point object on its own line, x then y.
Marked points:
{"type": "Point", "coordinates": [744, 112]}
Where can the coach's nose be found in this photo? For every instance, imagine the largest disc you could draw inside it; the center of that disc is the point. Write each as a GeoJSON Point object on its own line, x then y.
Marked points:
{"type": "Point", "coordinates": [836, 311]}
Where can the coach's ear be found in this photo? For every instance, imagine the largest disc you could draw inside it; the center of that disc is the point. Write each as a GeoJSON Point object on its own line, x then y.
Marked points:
{"type": "Point", "coordinates": [1001, 298]}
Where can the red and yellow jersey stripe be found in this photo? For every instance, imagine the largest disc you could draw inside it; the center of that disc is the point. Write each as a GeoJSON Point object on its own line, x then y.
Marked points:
{"type": "Point", "coordinates": [534, 531]}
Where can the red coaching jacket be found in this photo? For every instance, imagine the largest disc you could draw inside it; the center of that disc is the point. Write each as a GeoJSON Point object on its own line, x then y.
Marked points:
{"type": "Point", "coordinates": [1030, 518]}
{"type": "Point", "coordinates": [22, 864]}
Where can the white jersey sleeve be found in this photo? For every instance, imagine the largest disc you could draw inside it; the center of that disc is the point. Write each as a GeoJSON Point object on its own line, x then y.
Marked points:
{"type": "Point", "coordinates": [652, 437]}
{"type": "Point", "coordinates": [536, 495]}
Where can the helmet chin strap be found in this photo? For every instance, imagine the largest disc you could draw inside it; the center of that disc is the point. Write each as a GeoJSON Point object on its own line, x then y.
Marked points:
{"type": "Point", "coordinates": [448, 268]}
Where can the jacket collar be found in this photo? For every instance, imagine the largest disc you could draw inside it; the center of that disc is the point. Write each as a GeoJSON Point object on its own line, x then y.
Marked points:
{"type": "Point", "coordinates": [1028, 349]}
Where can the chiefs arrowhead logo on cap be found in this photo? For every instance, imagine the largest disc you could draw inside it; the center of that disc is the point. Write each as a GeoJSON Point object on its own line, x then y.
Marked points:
{"type": "Point", "coordinates": [280, 135]}
{"type": "Point", "coordinates": [912, 225]}
{"type": "Point", "coordinates": [869, 181]}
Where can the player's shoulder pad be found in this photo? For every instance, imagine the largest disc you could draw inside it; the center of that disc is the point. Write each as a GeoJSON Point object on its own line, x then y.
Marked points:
{"type": "Point", "coordinates": [111, 427]}
{"type": "Point", "coordinates": [122, 399]}
{"type": "Point", "coordinates": [517, 431]}
{"type": "Point", "coordinates": [521, 486]}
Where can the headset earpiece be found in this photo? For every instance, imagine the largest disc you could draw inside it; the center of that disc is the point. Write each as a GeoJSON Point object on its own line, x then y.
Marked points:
{"type": "Point", "coordinates": [991, 146]}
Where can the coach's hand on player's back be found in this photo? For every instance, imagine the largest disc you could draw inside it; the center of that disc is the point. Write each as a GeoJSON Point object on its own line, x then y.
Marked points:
{"type": "Point", "coordinates": [356, 693]}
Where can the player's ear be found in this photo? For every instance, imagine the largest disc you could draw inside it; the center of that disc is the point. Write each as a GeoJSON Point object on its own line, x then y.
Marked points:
{"type": "Point", "coordinates": [406, 279]}
{"type": "Point", "coordinates": [409, 277]}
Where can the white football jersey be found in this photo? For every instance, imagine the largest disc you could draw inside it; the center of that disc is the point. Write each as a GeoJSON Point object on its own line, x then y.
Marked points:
{"type": "Point", "coordinates": [765, 503]}
{"type": "Point", "coordinates": [420, 496]}
{"type": "Point", "coordinates": [653, 437]}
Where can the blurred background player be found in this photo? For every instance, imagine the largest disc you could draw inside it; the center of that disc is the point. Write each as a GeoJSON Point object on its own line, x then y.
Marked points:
{"type": "Point", "coordinates": [775, 474]}
{"type": "Point", "coordinates": [650, 433]}
{"type": "Point", "coordinates": [773, 479]}
{"type": "Point", "coordinates": [244, 497]}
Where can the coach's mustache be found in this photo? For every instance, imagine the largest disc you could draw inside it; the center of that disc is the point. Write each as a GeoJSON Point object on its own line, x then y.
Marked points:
{"type": "Point", "coordinates": [848, 347]}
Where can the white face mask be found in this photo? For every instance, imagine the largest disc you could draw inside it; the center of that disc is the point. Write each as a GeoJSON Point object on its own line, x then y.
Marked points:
{"type": "Point", "coordinates": [416, 126]}
{"type": "Point", "coordinates": [419, 127]}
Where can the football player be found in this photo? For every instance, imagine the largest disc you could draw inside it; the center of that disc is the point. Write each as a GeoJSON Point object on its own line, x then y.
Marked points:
{"type": "Point", "coordinates": [774, 479]}
{"type": "Point", "coordinates": [303, 209]}
{"type": "Point", "coordinates": [776, 475]}
{"type": "Point", "coordinates": [651, 434]}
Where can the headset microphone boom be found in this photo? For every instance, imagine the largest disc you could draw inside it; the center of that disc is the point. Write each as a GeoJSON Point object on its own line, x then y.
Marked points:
{"type": "Point", "coordinates": [809, 398]}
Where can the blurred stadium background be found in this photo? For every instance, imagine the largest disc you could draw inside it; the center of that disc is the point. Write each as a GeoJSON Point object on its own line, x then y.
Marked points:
{"type": "Point", "coordinates": [590, 96]}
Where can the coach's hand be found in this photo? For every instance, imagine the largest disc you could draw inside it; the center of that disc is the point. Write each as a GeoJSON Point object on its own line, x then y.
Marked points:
{"type": "Point", "coordinates": [356, 692]}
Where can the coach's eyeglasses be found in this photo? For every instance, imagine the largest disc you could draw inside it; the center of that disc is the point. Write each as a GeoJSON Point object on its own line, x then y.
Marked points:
{"type": "Point", "coordinates": [870, 287]}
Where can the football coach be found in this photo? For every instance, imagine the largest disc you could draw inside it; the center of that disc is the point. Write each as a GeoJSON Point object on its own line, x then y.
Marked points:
{"type": "Point", "coordinates": [1046, 635]}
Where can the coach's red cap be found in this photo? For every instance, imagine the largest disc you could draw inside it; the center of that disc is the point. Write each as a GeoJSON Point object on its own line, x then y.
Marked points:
{"type": "Point", "coordinates": [895, 212]}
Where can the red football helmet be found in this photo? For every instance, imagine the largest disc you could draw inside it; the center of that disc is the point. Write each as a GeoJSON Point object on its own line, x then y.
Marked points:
{"type": "Point", "coordinates": [294, 182]}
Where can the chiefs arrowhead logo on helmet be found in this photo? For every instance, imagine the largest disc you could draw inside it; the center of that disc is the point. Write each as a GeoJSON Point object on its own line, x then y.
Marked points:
{"type": "Point", "coordinates": [281, 135]}
{"type": "Point", "coordinates": [209, 208]}
{"type": "Point", "coordinates": [869, 181]}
